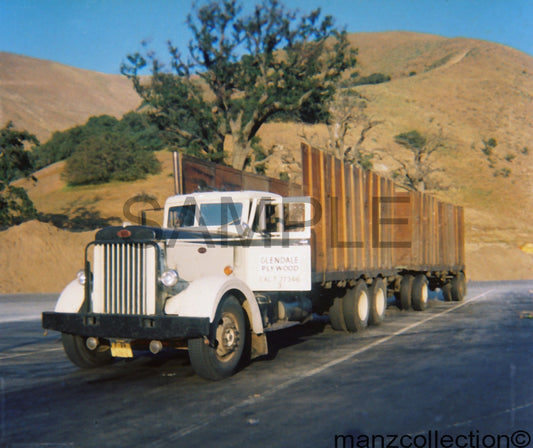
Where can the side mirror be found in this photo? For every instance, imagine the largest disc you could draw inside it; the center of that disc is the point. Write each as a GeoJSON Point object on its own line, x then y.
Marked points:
{"type": "Point", "coordinates": [246, 231]}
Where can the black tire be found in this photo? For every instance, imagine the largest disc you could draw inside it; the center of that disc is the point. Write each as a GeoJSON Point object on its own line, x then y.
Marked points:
{"type": "Point", "coordinates": [420, 293]}
{"type": "Point", "coordinates": [447, 292]}
{"type": "Point", "coordinates": [80, 355]}
{"type": "Point", "coordinates": [222, 361]}
{"type": "Point", "coordinates": [336, 315]}
{"type": "Point", "coordinates": [356, 307]}
{"type": "Point", "coordinates": [406, 292]}
{"type": "Point", "coordinates": [378, 302]}
{"type": "Point", "coordinates": [458, 285]}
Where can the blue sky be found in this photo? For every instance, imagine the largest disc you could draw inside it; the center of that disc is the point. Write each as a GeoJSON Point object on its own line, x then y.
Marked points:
{"type": "Point", "coordinates": [98, 34]}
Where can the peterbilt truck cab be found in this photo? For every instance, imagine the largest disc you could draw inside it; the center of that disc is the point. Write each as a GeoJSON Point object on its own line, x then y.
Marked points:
{"type": "Point", "coordinates": [224, 268]}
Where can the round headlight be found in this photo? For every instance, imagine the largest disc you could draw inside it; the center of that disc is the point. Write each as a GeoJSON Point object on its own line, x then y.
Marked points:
{"type": "Point", "coordinates": [82, 278]}
{"type": "Point", "coordinates": [169, 277]}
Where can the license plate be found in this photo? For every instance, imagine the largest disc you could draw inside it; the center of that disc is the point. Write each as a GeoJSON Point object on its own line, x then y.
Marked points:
{"type": "Point", "coordinates": [121, 349]}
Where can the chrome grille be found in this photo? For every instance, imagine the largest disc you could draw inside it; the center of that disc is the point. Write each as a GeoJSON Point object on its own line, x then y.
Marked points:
{"type": "Point", "coordinates": [124, 278]}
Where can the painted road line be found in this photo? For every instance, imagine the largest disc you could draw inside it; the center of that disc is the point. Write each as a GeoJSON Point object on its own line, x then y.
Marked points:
{"type": "Point", "coordinates": [32, 353]}
{"type": "Point", "coordinates": [21, 318]}
{"type": "Point", "coordinates": [285, 385]}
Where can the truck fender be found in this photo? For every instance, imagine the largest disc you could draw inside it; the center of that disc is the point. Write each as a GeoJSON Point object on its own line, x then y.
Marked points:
{"type": "Point", "coordinates": [202, 297]}
{"type": "Point", "coordinates": [71, 299]}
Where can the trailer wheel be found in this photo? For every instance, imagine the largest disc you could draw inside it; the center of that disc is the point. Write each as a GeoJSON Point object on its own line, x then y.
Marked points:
{"type": "Point", "coordinates": [447, 292]}
{"type": "Point", "coordinates": [458, 287]}
{"type": "Point", "coordinates": [80, 355]}
{"type": "Point", "coordinates": [378, 301]}
{"type": "Point", "coordinates": [216, 363]}
{"type": "Point", "coordinates": [420, 293]}
{"type": "Point", "coordinates": [336, 315]}
{"type": "Point", "coordinates": [406, 292]}
{"type": "Point", "coordinates": [356, 307]}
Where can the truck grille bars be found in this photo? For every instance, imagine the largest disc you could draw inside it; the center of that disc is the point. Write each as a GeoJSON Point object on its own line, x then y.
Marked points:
{"type": "Point", "coordinates": [124, 278]}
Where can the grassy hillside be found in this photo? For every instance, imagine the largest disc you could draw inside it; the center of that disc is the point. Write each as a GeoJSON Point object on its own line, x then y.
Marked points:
{"type": "Point", "coordinates": [471, 90]}
{"type": "Point", "coordinates": [44, 96]}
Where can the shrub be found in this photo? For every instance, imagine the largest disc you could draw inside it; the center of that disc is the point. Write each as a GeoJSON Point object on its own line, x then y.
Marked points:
{"type": "Point", "coordinates": [488, 146]}
{"type": "Point", "coordinates": [63, 144]}
{"type": "Point", "coordinates": [440, 62]}
{"type": "Point", "coordinates": [374, 78]}
{"type": "Point", "coordinates": [109, 156]}
{"type": "Point", "coordinates": [15, 206]}
{"type": "Point", "coordinates": [15, 162]}
{"type": "Point", "coordinates": [510, 157]}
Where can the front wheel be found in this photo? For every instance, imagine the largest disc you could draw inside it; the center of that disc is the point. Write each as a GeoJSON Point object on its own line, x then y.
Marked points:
{"type": "Point", "coordinates": [80, 355]}
{"type": "Point", "coordinates": [221, 361]}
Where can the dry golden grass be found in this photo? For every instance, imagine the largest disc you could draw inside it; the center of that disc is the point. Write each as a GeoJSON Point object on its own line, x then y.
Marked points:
{"type": "Point", "coordinates": [44, 96]}
{"type": "Point", "coordinates": [472, 90]}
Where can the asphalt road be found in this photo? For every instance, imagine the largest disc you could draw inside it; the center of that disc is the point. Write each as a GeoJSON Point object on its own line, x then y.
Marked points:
{"type": "Point", "coordinates": [459, 373]}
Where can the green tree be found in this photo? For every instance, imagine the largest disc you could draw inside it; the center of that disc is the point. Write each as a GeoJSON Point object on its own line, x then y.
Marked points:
{"type": "Point", "coordinates": [240, 72]}
{"type": "Point", "coordinates": [133, 125]}
{"type": "Point", "coordinates": [15, 162]}
{"type": "Point", "coordinates": [109, 156]}
{"type": "Point", "coordinates": [348, 125]}
{"type": "Point", "coordinates": [416, 172]}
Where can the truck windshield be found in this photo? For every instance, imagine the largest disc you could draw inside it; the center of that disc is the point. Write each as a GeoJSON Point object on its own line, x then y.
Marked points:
{"type": "Point", "coordinates": [220, 214]}
{"type": "Point", "coordinates": [208, 215]}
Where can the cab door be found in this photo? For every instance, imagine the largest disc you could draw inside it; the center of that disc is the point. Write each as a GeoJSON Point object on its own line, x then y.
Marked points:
{"type": "Point", "coordinates": [277, 257]}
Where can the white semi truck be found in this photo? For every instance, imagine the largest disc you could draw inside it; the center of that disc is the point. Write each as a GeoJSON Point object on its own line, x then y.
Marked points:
{"type": "Point", "coordinates": [227, 266]}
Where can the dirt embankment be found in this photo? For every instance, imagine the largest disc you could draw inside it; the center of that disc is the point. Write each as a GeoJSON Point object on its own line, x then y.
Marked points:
{"type": "Point", "coordinates": [38, 257]}
{"type": "Point", "coordinates": [498, 262]}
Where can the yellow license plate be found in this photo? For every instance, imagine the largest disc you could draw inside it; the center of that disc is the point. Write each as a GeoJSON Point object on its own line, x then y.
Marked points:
{"type": "Point", "coordinates": [121, 349]}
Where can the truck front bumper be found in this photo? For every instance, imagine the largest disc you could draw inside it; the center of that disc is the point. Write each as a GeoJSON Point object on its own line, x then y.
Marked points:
{"type": "Point", "coordinates": [123, 326]}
